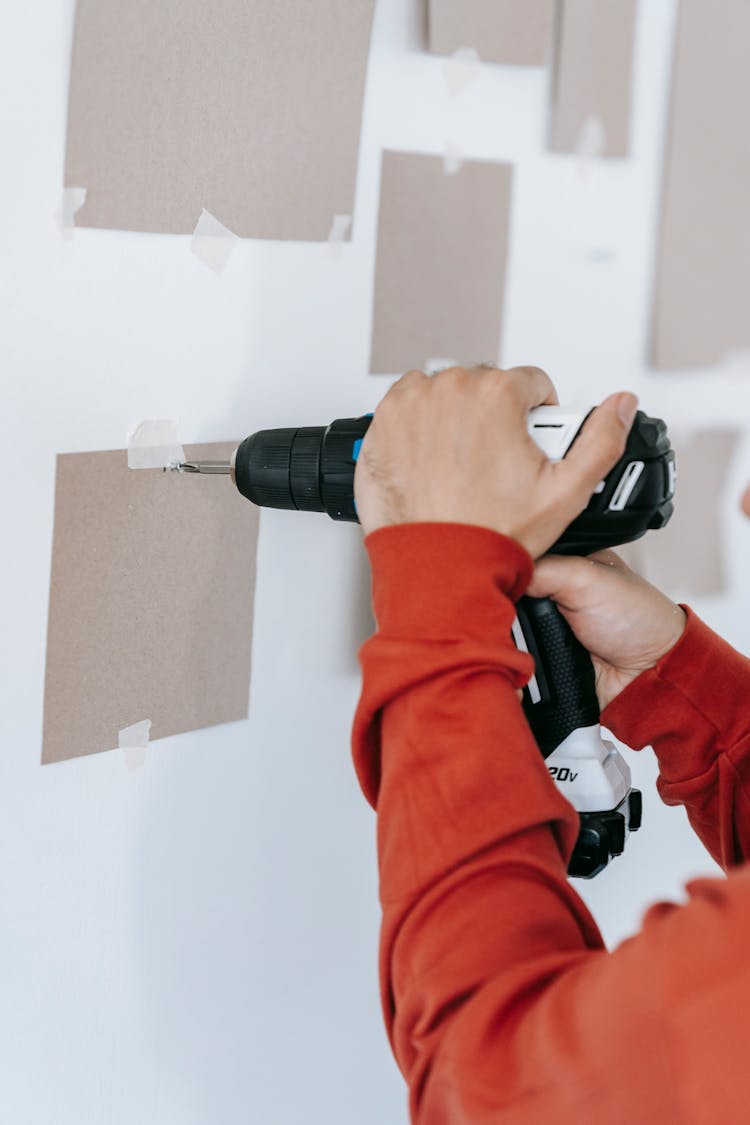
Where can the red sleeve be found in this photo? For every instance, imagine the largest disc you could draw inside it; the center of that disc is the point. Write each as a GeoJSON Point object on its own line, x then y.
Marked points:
{"type": "Point", "coordinates": [500, 1002]}
{"type": "Point", "coordinates": [694, 709]}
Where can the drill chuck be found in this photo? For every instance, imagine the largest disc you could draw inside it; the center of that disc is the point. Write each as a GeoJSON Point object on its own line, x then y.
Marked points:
{"type": "Point", "coordinates": [307, 469]}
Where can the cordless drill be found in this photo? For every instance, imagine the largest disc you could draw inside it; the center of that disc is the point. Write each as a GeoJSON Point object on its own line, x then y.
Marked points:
{"type": "Point", "coordinates": [311, 468]}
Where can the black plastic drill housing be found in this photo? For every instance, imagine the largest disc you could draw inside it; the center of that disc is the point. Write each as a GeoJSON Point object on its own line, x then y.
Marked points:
{"type": "Point", "coordinates": [311, 469]}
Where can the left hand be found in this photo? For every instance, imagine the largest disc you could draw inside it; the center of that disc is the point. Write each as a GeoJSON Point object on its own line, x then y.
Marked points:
{"type": "Point", "coordinates": [454, 447]}
{"type": "Point", "coordinates": [624, 622]}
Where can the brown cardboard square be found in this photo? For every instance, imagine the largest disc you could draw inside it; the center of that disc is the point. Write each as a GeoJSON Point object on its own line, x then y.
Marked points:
{"type": "Point", "coordinates": [441, 257]}
{"type": "Point", "coordinates": [151, 601]}
{"type": "Point", "coordinates": [515, 32]}
{"type": "Point", "coordinates": [701, 303]}
{"type": "Point", "coordinates": [249, 110]}
{"type": "Point", "coordinates": [594, 73]}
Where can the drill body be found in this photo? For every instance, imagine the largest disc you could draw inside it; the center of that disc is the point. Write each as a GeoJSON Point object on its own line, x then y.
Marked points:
{"type": "Point", "coordinates": [312, 469]}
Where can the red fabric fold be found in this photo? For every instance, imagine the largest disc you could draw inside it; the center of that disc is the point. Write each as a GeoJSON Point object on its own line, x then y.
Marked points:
{"type": "Point", "coordinates": [500, 1002]}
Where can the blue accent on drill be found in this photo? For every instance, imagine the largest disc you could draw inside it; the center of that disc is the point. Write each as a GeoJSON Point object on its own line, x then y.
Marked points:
{"type": "Point", "coordinates": [358, 442]}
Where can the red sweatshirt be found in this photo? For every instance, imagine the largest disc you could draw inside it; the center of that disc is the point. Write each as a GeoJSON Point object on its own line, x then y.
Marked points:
{"type": "Point", "coordinates": [500, 1000]}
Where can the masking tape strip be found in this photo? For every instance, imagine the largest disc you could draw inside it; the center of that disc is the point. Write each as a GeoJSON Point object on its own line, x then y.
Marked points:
{"type": "Point", "coordinates": [212, 242]}
{"type": "Point", "coordinates": [133, 741]}
{"type": "Point", "coordinates": [73, 198]}
{"type": "Point", "coordinates": [337, 234]}
{"type": "Point", "coordinates": [461, 69]}
{"type": "Point", "coordinates": [453, 158]}
{"type": "Point", "coordinates": [153, 444]}
{"type": "Point", "coordinates": [592, 141]}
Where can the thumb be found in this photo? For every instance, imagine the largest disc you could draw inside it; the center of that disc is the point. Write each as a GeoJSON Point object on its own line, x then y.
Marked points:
{"type": "Point", "coordinates": [600, 444]}
{"type": "Point", "coordinates": [561, 578]}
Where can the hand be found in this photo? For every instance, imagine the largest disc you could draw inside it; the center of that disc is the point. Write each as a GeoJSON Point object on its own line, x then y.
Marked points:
{"type": "Point", "coordinates": [454, 447]}
{"type": "Point", "coordinates": [625, 623]}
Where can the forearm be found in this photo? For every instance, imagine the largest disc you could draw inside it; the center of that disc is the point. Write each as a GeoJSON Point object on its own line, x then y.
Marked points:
{"type": "Point", "coordinates": [500, 1003]}
{"type": "Point", "coordinates": [473, 836]}
{"type": "Point", "coordinates": [693, 708]}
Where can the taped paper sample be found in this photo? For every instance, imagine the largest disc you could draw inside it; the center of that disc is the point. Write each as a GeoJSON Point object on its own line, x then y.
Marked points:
{"type": "Point", "coordinates": [249, 110]}
{"type": "Point", "coordinates": [594, 74]}
{"type": "Point", "coordinates": [701, 296]}
{"type": "Point", "coordinates": [151, 602]}
{"type": "Point", "coordinates": [687, 557]}
{"type": "Point", "coordinates": [515, 32]}
{"type": "Point", "coordinates": [440, 267]}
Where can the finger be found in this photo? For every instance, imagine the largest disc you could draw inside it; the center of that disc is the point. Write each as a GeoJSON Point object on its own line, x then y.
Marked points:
{"type": "Point", "coordinates": [745, 502]}
{"type": "Point", "coordinates": [600, 444]}
{"type": "Point", "coordinates": [535, 386]}
{"type": "Point", "coordinates": [559, 577]}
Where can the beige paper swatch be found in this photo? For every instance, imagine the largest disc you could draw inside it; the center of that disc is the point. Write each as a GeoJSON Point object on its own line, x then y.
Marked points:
{"type": "Point", "coordinates": [515, 32]}
{"type": "Point", "coordinates": [701, 296]}
{"type": "Point", "coordinates": [250, 110]}
{"type": "Point", "coordinates": [687, 557]}
{"type": "Point", "coordinates": [151, 601]}
{"type": "Point", "coordinates": [441, 256]}
{"type": "Point", "coordinates": [594, 74]}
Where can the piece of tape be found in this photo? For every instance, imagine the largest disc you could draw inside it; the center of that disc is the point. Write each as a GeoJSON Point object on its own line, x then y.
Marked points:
{"type": "Point", "coordinates": [73, 198]}
{"type": "Point", "coordinates": [133, 741]}
{"type": "Point", "coordinates": [153, 444]}
{"type": "Point", "coordinates": [212, 242]}
{"type": "Point", "coordinates": [453, 158]}
{"type": "Point", "coordinates": [591, 143]}
{"type": "Point", "coordinates": [337, 234]}
{"type": "Point", "coordinates": [461, 69]}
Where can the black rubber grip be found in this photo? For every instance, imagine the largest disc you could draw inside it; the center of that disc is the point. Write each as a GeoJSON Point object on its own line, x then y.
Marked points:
{"type": "Point", "coordinates": [564, 676]}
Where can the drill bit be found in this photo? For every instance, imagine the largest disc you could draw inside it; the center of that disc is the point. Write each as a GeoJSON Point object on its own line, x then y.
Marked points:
{"type": "Point", "coordinates": [213, 467]}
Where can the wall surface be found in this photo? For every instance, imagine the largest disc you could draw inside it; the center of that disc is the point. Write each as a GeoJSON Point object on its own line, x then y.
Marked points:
{"type": "Point", "coordinates": [196, 941]}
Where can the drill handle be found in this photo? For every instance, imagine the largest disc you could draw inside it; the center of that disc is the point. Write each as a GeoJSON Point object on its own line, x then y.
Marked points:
{"type": "Point", "coordinates": [561, 696]}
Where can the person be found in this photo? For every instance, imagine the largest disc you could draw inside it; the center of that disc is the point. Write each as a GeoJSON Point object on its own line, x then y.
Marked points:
{"type": "Point", "coordinates": [500, 1000]}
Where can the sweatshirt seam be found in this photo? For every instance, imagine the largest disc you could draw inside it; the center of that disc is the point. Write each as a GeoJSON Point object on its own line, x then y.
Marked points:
{"type": "Point", "coordinates": [741, 744]}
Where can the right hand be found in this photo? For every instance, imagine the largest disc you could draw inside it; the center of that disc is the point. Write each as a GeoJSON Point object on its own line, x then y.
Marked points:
{"type": "Point", "coordinates": [433, 437]}
{"type": "Point", "coordinates": [626, 624]}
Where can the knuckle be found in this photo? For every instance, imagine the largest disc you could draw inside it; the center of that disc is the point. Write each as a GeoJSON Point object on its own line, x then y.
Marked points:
{"type": "Point", "coordinates": [448, 374]}
{"type": "Point", "coordinates": [529, 369]}
{"type": "Point", "coordinates": [411, 378]}
{"type": "Point", "coordinates": [502, 386]}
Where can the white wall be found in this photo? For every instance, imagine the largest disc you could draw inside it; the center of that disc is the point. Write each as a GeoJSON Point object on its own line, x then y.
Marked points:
{"type": "Point", "coordinates": [196, 942]}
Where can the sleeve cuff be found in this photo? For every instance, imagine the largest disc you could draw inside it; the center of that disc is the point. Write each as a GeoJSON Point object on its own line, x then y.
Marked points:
{"type": "Point", "coordinates": [690, 707]}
